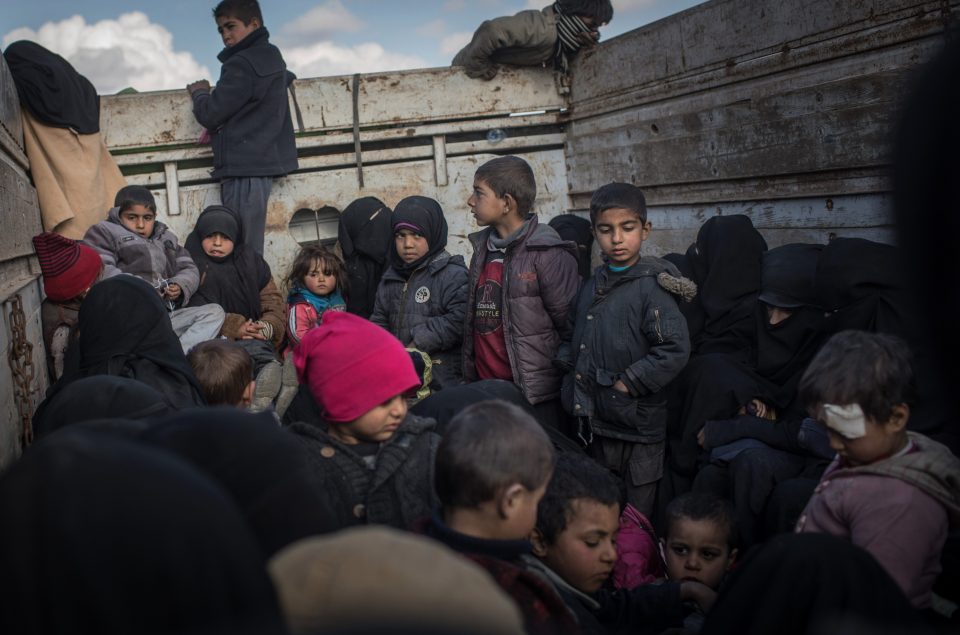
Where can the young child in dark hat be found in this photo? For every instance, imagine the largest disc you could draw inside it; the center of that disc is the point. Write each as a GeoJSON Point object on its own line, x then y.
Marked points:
{"type": "Point", "coordinates": [422, 297]}
{"type": "Point", "coordinates": [69, 269]}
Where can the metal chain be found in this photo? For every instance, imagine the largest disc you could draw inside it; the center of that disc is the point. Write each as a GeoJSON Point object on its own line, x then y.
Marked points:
{"type": "Point", "coordinates": [21, 365]}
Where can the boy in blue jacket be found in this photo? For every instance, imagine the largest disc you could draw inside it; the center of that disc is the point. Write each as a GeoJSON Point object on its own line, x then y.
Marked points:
{"type": "Point", "coordinates": [247, 115]}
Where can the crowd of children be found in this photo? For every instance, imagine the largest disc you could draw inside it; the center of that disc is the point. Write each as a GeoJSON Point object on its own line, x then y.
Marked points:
{"type": "Point", "coordinates": [732, 439]}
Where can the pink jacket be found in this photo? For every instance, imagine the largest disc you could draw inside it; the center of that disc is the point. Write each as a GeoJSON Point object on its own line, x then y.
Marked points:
{"type": "Point", "coordinates": [639, 561]}
{"type": "Point", "coordinates": [898, 509]}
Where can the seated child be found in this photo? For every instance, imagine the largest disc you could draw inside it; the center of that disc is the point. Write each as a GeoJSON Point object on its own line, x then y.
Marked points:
{"type": "Point", "coordinates": [133, 241]}
{"type": "Point", "coordinates": [237, 278]}
{"type": "Point", "coordinates": [629, 341]}
{"type": "Point", "coordinates": [575, 544]}
{"type": "Point", "coordinates": [534, 38]}
{"type": "Point", "coordinates": [317, 283]}
{"type": "Point", "coordinates": [422, 297]}
{"type": "Point", "coordinates": [225, 372]}
{"type": "Point", "coordinates": [523, 279]}
{"type": "Point", "coordinates": [368, 454]}
{"type": "Point", "coordinates": [891, 492]}
{"type": "Point", "coordinates": [69, 270]}
{"type": "Point", "coordinates": [492, 468]}
{"type": "Point", "coordinates": [247, 115]}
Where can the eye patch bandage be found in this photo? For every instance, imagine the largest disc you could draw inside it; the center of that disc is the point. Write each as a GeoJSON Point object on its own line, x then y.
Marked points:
{"type": "Point", "coordinates": [847, 421]}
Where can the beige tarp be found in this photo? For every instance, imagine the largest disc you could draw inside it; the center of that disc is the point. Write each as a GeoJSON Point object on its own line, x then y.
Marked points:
{"type": "Point", "coordinates": [75, 176]}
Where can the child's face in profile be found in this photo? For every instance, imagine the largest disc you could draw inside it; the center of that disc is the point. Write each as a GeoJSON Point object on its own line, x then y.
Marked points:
{"type": "Point", "coordinates": [620, 234]}
{"type": "Point", "coordinates": [233, 30]}
{"type": "Point", "coordinates": [410, 245]}
{"type": "Point", "coordinates": [879, 441]}
{"type": "Point", "coordinates": [697, 550]}
{"type": "Point", "coordinates": [486, 206]}
{"type": "Point", "coordinates": [217, 245]}
{"type": "Point", "coordinates": [139, 219]}
{"type": "Point", "coordinates": [320, 281]}
{"type": "Point", "coordinates": [374, 426]}
{"type": "Point", "coordinates": [585, 552]}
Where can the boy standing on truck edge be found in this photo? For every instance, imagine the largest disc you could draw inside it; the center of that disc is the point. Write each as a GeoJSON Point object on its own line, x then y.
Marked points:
{"type": "Point", "coordinates": [247, 115]}
{"type": "Point", "coordinates": [523, 278]}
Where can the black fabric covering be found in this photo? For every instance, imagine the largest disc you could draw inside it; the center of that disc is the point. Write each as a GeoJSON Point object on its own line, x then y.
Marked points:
{"type": "Point", "coordinates": [104, 536]}
{"type": "Point", "coordinates": [233, 282]}
{"type": "Point", "coordinates": [692, 310]}
{"type": "Point", "coordinates": [99, 397]}
{"type": "Point", "coordinates": [262, 467]}
{"type": "Point", "coordinates": [365, 235]}
{"type": "Point", "coordinates": [799, 583]}
{"type": "Point", "coordinates": [726, 263]}
{"type": "Point", "coordinates": [926, 167]}
{"type": "Point", "coordinates": [426, 214]}
{"type": "Point", "coordinates": [579, 230]}
{"type": "Point", "coordinates": [125, 331]}
{"type": "Point", "coordinates": [51, 89]}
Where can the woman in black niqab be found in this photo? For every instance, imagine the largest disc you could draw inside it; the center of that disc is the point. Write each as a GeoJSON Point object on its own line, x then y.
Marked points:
{"type": "Point", "coordinates": [125, 331]}
{"type": "Point", "coordinates": [365, 235]}
{"type": "Point", "coordinates": [105, 536]}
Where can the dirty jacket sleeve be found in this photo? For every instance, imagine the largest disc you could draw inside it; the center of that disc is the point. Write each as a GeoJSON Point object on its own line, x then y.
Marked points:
{"type": "Point", "coordinates": [666, 330]}
{"type": "Point", "coordinates": [234, 89]}
{"type": "Point", "coordinates": [272, 312]}
{"type": "Point", "coordinates": [559, 281]}
{"type": "Point", "coordinates": [380, 316]}
{"type": "Point", "coordinates": [527, 38]}
{"type": "Point", "coordinates": [187, 275]}
{"type": "Point", "coordinates": [103, 241]}
{"type": "Point", "coordinates": [445, 331]}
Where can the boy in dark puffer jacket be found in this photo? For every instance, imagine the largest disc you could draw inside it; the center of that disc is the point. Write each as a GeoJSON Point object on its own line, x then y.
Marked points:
{"type": "Point", "coordinates": [373, 459]}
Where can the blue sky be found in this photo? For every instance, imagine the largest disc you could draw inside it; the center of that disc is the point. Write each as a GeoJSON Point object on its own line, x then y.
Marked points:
{"type": "Point", "coordinates": [153, 45]}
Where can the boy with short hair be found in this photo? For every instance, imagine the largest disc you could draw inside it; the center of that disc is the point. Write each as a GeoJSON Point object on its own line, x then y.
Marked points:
{"type": "Point", "coordinates": [225, 372]}
{"type": "Point", "coordinates": [523, 279]}
{"type": "Point", "coordinates": [700, 542]}
{"type": "Point", "coordinates": [575, 544]}
{"type": "Point", "coordinates": [492, 468]}
{"type": "Point", "coordinates": [248, 115]}
{"type": "Point", "coordinates": [629, 341]}
{"type": "Point", "coordinates": [534, 38]}
{"type": "Point", "coordinates": [373, 458]}
{"type": "Point", "coordinates": [892, 492]}
{"type": "Point", "coordinates": [134, 242]}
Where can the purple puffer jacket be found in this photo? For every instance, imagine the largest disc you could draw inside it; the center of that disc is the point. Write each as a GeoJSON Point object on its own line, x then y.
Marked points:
{"type": "Point", "coordinates": [540, 281]}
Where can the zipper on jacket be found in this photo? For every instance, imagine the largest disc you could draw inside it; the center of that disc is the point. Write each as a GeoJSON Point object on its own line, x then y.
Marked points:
{"type": "Point", "coordinates": [403, 304]}
{"type": "Point", "coordinates": [656, 314]}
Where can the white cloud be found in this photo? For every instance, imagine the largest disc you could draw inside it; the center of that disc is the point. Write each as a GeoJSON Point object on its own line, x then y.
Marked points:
{"type": "Point", "coordinates": [321, 23]}
{"type": "Point", "coordinates": [114, 54]}
{"type": "Point", "coordinates": [452, 44]}
{"type": "Point", "coordinates": [326, 58]}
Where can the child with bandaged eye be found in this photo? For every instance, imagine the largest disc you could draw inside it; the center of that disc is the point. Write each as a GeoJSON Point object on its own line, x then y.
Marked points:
{"type": "Point", "coordinates": [892, 492]}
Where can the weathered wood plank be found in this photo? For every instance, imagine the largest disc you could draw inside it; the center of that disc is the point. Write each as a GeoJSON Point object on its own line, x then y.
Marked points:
{"type": "Point", "coordinates": [10, 105]}
{"type": "Point", "coordinates": [19, 213]}
{"type": "Point", "coordinates": [396, 99]}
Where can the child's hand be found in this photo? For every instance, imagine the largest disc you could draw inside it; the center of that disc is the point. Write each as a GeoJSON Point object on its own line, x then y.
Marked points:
{"type": "Point", "coordinates": [621, 387]}
{"type": "Point", "coordinates": [198, 85]}
{"type": "Point", "coordinates": [588, 39]}
{"type": "Point", "coordinates": [251, 331]}
{"type": "Point", "coordinates": [699, 593]}
{"type": "Point", "coordinates": [173, 291]}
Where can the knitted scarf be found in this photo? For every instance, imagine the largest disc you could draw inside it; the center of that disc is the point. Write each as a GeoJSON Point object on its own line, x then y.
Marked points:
{"type": "Point", "coordinates": [568, 28]}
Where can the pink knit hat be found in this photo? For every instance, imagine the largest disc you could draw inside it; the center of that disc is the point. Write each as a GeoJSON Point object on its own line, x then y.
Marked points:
{"type": "Point", "coordinates": [352, 366]}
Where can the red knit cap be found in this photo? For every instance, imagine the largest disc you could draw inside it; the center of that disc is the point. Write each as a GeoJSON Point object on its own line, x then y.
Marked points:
{"type": "Point", "coordinates": [69, 268]}
{"type": "Point", "coordinates": [352, 366]}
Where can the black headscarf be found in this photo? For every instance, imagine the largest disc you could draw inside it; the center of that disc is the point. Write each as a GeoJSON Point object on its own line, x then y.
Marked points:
{"type": "Point", "coordinates": [425, 216]}
{"type": "Point", "coordinates": [726, 262]}
{"type": "Point", "coordinates": [99, 397]}
{"type": "Point", "coordinates": [692, 310]}
{"type": "Point", "coordinates": [785, 349]}
{"type": "Point", "coordinates": [51, 89]}
{"type": "Point", "coordinates": [365, 235]}
{"type": "Point", "coordinates": [795, 582]}
{"type": "Point", "coordinates": [102, 535]}
{"type": "Point", "coordinates": [263, 468]}
{"type": "Point", "coordinates": [235, 281]}
{"type": "Point", "coordinates": [579, 230]}
{"type": "Point", "coordinates": [125, 331]}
